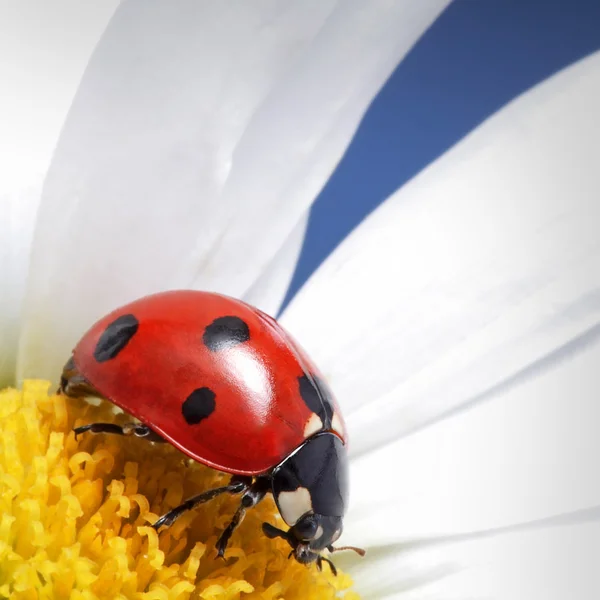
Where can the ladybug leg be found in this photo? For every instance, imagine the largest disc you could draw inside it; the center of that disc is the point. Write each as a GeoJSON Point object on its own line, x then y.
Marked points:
{"type": "Point", "coordinates": [236, 486]}
{"type": "Point", "coordinates": [253, 495]}
{"type": "Point", "coordinates": [127, 429]}
{"type": "Point", "coordinates": [273, 532]}
{"type": "Point", "coordinates": [321, 560]}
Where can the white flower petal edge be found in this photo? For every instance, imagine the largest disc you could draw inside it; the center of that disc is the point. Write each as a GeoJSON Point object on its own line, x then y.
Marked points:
{"type": "Point", "coordinates": [199, 136]}
{"type": "Point", "coordinates": [45, 48]}
{"type": "Point", "coordinates": [268, 290]}
{"type": "Point", "coordinates": [542, 562]}
{"type": "Point", "coordinates": [532, 454]}
{"type": "Point", "coordinates": [16, 230]}
{"type": "Point", "coordinates": [472, 275]}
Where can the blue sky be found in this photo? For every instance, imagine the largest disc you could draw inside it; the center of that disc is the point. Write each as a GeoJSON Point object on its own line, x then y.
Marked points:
{"type": "Point", "coordinates": [478, 56]}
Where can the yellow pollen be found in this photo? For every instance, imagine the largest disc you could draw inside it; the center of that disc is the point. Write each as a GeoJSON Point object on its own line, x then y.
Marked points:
{"type": "Point", "coordinates": [75, 517]}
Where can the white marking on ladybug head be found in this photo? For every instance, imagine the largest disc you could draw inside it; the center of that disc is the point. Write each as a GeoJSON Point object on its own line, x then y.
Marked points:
{"type": "Point", "coordinates": [337, 425]}
{"type": "Point", "coordinates": [93, 400]}
{"type": "Point", "coordinates": [293, 505]}
{"type": "Point", "coordinates": [319, 533]}
{"type": "Point", "coordinates": [313, 425]}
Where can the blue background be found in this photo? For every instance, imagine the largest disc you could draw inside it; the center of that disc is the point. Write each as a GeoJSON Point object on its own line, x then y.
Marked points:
{"type": "Point", "coordinates": [477, 56]}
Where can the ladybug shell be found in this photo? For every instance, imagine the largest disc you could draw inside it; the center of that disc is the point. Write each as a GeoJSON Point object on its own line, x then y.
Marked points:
{"type": "Point", "coordinates": [220, 380]}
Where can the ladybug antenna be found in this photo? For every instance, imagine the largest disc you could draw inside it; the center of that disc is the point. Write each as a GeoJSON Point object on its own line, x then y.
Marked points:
{"type": "Point", "coordinates": [358, 551]}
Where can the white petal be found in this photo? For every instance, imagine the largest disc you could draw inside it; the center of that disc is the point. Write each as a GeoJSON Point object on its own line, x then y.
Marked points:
{"type": "Point", "coordinates": [532, 454]}
{"type": "Point", "coordinates": [16, 230]}
{"type": "Point", "coordinates": [479, 268]}
{"type": "Point", "coordinates": [268, 291]}
{"type": "Point", "coordinates": [545, 563]}
{"type": "Point", "coordinates": [45, 47]}
{"type": "Point", "coordinates": [199, 136]}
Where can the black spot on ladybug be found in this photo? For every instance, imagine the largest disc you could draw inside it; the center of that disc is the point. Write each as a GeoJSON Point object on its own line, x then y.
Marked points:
{"type": "Point", "coordinates": [198, 405]}
{"type": "Point", "coordinates": [115, 337]}
{"type": "Point", "coordinates": [318, 397]}
{"type": "Point", "coordinates": [225, 332]}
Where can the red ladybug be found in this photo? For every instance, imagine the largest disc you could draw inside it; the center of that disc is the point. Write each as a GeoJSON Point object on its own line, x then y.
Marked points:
{"type": "Point", "coordinates": [228, 386]}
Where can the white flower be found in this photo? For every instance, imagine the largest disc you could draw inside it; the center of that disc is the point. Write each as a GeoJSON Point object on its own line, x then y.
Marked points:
{"type": "Point", "coordinates": [459, 324]}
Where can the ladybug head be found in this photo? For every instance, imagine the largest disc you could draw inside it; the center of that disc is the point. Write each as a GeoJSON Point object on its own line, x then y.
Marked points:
{"type": "Point", "coordinates": [310, 488]}
{"type": "Point", "coordinates": [311, 534]}
{"type": "Point", "coordinates": [308, 537]}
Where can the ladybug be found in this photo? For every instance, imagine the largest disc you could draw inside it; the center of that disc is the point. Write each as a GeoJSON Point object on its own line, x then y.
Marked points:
{"type": "Point", "coordinates": [224, 383]}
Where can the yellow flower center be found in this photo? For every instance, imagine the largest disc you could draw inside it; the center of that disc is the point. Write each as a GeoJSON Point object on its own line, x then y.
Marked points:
{"type": "Point", "coordinates": [75, 517]}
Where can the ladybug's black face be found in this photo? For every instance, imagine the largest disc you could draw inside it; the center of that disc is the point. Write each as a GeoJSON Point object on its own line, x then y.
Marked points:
{"type": "Point", "coordinates": [310, 488]}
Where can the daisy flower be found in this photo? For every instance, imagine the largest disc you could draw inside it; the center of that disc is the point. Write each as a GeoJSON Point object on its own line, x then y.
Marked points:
{"type": "Point", "coordinates": [181, 145]}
